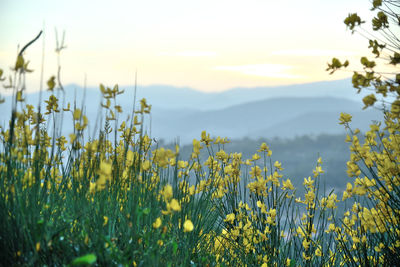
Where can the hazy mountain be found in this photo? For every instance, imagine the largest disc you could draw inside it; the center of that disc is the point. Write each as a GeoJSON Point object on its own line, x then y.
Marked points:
{"type": "Point", "coordinates": [169, 97]}
{"type": "Point", "coordinates": [284, 117]}
{"type": "Point", "coordinates": [284, 111]}
{"type": "Point", "coordinates": [318, 123]}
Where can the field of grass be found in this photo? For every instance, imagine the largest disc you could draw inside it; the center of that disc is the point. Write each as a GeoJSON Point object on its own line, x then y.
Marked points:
{"type": "Point", "coordinates": [118, 198]}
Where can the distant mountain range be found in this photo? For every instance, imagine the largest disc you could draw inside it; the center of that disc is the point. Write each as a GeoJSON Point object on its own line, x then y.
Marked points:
{"type": "Point", "coordinates": [283, 117]}
{"type": "Point", "coordinates": [168, 97]}
{"type": "Point", "coordinates": [284, 111]}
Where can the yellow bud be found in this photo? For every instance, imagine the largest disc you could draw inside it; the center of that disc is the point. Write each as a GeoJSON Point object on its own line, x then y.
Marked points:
{"type": "Point", "coordinates": [188, 226]}
{"type": "Point", "coordinates": [157, 223]}
{"type": "Point", "coordinates": [174, 204]}
{"type": "Point", "coordinates": [77, 114]}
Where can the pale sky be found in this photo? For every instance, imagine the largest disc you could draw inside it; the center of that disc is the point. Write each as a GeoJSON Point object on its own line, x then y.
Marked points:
{"type": "Point", "coordinates": [209, 45]}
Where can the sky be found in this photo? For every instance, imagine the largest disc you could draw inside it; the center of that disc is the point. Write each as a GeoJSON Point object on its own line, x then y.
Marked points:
{"type": "Point", "coordinates": [208, 45]}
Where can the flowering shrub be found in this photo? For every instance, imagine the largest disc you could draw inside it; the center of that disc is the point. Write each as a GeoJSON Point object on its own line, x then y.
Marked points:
{"type": "Point", "coordinates": [118, 198]}
{"type": "Point", "coordinates": [104, 201]}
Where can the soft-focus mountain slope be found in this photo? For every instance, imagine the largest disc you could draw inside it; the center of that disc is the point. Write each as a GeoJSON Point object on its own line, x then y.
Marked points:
{"type": "Point", "coordinates": [317, 123]}
{"type": "Point", "coordinates": [170, 97]}
{"type": "Point", "coordinates": [285, 117]}
{"type": "Point", "coordinates": [284, 111]}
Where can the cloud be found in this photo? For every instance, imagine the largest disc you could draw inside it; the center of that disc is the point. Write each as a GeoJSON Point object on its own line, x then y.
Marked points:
{"type": "Point", "coordinates": [313, 52]}
{"type": "Point", "coordinates": [190, 53]}
{"type": "Point", "coordinates": [264, 70]}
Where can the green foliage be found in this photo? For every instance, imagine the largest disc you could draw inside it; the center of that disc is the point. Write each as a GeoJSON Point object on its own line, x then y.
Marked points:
{"type": "Point", "coordinates": [87, 259]}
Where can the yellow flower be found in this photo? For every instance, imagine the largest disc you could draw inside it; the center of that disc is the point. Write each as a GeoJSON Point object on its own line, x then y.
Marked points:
{"type": "Point", "coordinates": [308, 182]}
{"type": "Point", "coordinates": [167, 192]}
{"type": "Point", "coordinates": [364, 239]}
{"type": "Point", "coordinates": [105, 220]}
{"type": "Point", "coordinates": [318, 170]}
{"type": "Point", "coordinates": [262, 207]}
{"type": "Point", "coordinates": [259, 187]}
{"type": "Point", "coordinates": [157, 223]}
{"type": "Point", "coordinates": [344, 118]}
{"type": "Point", "coordinates": [174, 205]}
{"type": "Point", "coordinates": [37, 246]}
{"type": "Point", "coordinates": [182, 164]}
{"type": "Point", "coordinates": [369, 100]}
{"type": "Point", "coordinates": [331, 228]}
{"type": "Point", "coordinates": [272, 212]}
{"type": "Point", "coordinates": [129, 157]}
{"type": "Point", "coordinates": [188, 226]}
{"type": "Point", "coordinates": [72, 138]}
{"type": "Point", "coordinates": [331, 202]}
{"type": "Point", "coordinates": [309, 197]}
{"type": "Point", "coordinates": [255, 157]}
{"type": "Point", "coordinates": [105, 169]}
{"type": "Point", "coordinates": [77, 114]}
{"type": "Point", "coordinates": [255, 172]}
{"type": "Point", "coordinates": [278, 165]}
{"type": "Point", "coordinates": [221, 155]}
{"type": "Point", "coordinates": [306, 244]}
{"type": "Point", "coordinates": [191, 190]}
{"type": "Point", "coordinates": [287, 185]}
{"type": "Point", "coordinates": [263, 148]}
{"type": "Point", "coordinates": [205, 138]}
{"type": "Point", "coordinates": [146, 165]}
{"type": "Point", "coordinates": [349, 187]}
{"type": "Point", "coordinates": [298, 200]}
{"type": "Point", "coordinates": [196, 148]}
{"type": "Point", "coordinates": [306, 257]}
{"type": "Point", "coordinates": [318, 252]}
{"type": "Point", "coordinates": [92, 187]}
{"type": "Point", "coordinates": [230, 218]}
{"type": "Point", "coordinates": [300, 231]}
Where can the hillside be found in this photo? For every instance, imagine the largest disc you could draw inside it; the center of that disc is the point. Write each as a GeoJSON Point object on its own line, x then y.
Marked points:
{"type": "Point", "coordinates": [183, 113]}
{"type": "Point", "coordinates": [285, 117]}
{"type": "Point", "coordinates": [298, 156]}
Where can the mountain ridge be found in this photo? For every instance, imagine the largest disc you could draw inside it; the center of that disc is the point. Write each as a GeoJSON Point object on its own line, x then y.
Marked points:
{"type": "Point", "coordinates": [251, 116]}
{"type": "Point", "coordinates": [169, 97]}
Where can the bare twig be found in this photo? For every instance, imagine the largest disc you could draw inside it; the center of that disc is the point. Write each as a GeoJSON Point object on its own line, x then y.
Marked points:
{"type": "Point", "coordinates": [28, 44]}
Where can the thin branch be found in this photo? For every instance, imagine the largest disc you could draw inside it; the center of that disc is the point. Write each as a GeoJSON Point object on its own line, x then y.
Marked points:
{"type": "Point", "coordinates": [28, 44]}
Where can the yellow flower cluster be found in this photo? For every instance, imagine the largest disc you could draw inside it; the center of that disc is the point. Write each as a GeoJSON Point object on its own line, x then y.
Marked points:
{"type": "Point", "coordinates": [251, 196]}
